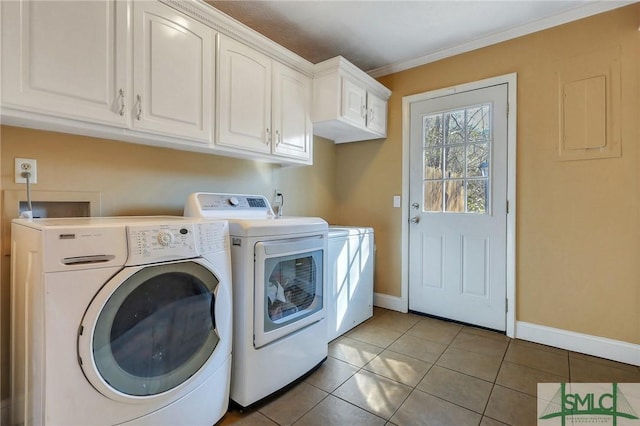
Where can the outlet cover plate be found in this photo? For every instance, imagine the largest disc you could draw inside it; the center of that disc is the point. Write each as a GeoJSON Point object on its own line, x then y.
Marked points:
{"type": "Point", "coordinates": [26, 164]}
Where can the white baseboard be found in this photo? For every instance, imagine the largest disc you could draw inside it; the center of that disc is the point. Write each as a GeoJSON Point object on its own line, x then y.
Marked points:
{"type": "Point", "coordinates": [389, 302]}
{"type": "Point", "coordinates": [4, 411]}
{"type": "Point", "coordinates": [602, 347]}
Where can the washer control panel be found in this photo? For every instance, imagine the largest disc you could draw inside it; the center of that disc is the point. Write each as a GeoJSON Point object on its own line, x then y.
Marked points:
{"type": "Point", "coordinates": [150, 243]}
{"type": "Point", "coordinates": [160, 242]}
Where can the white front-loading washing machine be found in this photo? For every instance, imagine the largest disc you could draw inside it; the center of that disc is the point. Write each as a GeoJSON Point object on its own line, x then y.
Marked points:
{"type": "Point", "coordinates": [279, 279]}
{"type": "Point", "coordinates": [120, 321]}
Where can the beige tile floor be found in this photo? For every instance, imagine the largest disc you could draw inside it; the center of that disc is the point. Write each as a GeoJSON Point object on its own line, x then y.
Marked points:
{"type": "Point", "coordinates": [405, 369]}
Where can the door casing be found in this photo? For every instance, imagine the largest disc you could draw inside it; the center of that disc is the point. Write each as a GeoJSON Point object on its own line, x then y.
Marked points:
{"type": "Point", "coordinates": [511, 81]}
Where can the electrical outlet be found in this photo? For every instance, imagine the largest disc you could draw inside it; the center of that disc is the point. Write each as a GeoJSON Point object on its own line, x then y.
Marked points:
{"type": "Point", "coordinates": [26, 165]}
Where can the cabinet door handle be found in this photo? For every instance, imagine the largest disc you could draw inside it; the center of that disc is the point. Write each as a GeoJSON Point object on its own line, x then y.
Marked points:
{"type": "Point", "coordinates": [121, 96]}
{"type": "Point", "coordinates": [268, 136]}
{"type": "Point", "coordinates": [278, 138]}
{"type": "Point", "coordinates": [139, 105]}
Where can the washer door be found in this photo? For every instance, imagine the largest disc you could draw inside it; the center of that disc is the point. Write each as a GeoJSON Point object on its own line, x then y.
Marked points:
{"type": "Point", "coordinates": [149, 329]}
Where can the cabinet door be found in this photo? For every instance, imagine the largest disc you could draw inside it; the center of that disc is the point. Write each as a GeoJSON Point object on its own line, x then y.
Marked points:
{"type": "Point", "coordinates": [66, 58]}
{"type": "Point", "coordinates": [354, 103]}
{"type": "Point", "coordinates": [376, 114]}
{"type": "Point", "coordinates": [244, 97]}
{"type": "Point", "coordinates": [291, 113]}
{"type": "Point", "coordinates": [173, 72]}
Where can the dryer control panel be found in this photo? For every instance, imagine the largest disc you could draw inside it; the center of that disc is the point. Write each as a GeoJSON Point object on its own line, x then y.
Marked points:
{"type": "Point", "coordinates": [219, 205]}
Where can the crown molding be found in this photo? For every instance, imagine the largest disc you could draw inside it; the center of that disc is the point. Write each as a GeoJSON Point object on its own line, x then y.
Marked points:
{"type": "Point", "coordinates": [586, 10]}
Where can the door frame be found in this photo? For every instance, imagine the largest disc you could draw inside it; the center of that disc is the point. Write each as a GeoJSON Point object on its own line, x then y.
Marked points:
{"type": "Point", "coordinates": [511, 81]}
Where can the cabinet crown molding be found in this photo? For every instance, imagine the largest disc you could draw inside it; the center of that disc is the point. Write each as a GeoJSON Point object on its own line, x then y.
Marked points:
{"type": "Point", "coordinates": [224, 24]}
{"type": "Point", "coordinates": [345, 67]}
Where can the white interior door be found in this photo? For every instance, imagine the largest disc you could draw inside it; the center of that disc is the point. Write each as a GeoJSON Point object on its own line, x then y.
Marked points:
{"type": "Point", "coordinates": [458, 206]}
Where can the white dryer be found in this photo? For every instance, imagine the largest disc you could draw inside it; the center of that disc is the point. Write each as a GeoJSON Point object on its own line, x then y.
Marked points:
{"type": "Point", "coordinates": [120, 321]}
{"type": "Point", "coordinates": [279, 281]}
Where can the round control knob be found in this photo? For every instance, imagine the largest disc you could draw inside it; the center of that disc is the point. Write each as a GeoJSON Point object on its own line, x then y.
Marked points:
{"type": "Point", "coordinates": [165, 238]}
{"type": "Point", "coordinates": [234, 201]}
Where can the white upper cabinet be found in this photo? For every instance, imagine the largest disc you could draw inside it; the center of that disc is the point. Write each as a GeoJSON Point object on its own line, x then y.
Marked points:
{"type": "Point", "coordinates": [348, 105]}
{"type": "Point", "coordinates": [244, 97]}
{"type": "Point", "coordinates": [173, 72]}
{"type": "Point", "coordinates": [79, 60]}
{"type": "Point", "coordinates": [263, 106]}
{"type": "Point", "coordinates": [291, 113]}
{"type": "Point", "coordinates": [354, 103]}
{"type": "Point", "coordinates": [67, 58]}
{"type": "Point", "coordinates": [376, 114]}
{"type": "Point", "coordinates": [176, 74]}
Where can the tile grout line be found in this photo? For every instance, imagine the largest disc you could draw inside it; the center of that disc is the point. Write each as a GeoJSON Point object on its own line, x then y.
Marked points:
{"type": "Point", "coordinates": [495, 379]}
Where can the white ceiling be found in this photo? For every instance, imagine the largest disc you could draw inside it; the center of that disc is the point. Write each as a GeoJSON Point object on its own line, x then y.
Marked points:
{"type": "Point", "coordinates": [382, 36]}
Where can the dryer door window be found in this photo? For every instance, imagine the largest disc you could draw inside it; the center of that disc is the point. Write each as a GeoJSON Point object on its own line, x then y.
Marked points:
{"type": "Point", "coordinates": [156, 329]}
{"type": "Point", "coordinates": [289, 287]}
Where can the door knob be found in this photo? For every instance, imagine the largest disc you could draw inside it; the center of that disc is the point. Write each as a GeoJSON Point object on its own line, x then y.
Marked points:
{"type": "Point", "coordinates": [415, 219]}
{"type": "Point", "coordinates": [415, 206]}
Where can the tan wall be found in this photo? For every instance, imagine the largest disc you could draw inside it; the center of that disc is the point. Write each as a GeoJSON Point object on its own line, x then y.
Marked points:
{"type": "Point", "coordinates": [578, 222]}
{"type": "Point", "coordinates": [141, 180]}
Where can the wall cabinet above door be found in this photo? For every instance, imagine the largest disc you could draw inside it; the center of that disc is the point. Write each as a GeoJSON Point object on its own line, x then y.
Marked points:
{"type": "Point", "coordinates": [348, 105]}
{"type": "Point", "coordinates": [66, 58]}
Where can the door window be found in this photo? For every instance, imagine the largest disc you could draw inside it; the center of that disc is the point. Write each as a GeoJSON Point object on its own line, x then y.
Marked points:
{"type": "Point", "coordinates": [157, 329]}
{"type": "Point", "coordinates": [457, 153]}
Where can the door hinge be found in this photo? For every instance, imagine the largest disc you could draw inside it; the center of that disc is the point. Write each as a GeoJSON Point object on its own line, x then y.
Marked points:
{"type": "Point", "coordinates": [507, 206]}
{"type": "Point", "coordinates": [506, 305]}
